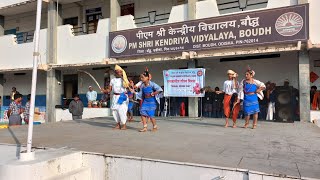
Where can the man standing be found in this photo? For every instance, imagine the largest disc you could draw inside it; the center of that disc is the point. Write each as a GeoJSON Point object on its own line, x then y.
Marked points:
{"type": "Point", "coordinates": [13, 92]}
{"type": "Point", "coordinates": [120, 99]}
{"type": "Point", "coordinates": [15, 110]}
{"type": "Point", "coordinates": [76, 107]}
{"type": "Point", "coordinates": [91, 96]}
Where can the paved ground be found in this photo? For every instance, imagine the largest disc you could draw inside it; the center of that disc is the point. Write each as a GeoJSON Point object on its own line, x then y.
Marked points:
{"type": "Point", "coordinates": [278, 148]}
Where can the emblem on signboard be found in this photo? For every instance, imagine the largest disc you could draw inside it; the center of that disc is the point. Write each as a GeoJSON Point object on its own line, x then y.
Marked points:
{"type": "Point", "coordinates": [119, 44]}
{"type": "Point", "coordinates": [199, 73]}
{"type": "Point", "coordinates": [289, 24]}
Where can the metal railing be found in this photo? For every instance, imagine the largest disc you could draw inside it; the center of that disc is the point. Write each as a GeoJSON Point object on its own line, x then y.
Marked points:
{"type": "Point", "coordinates": [24, 37]}
{"type": "Point", "coordinates": [152, 18]}
{"type": "Point", "coordinates": [84, 28]}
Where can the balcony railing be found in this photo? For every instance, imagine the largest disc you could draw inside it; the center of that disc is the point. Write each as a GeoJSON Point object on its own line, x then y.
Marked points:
{"type": "Point", "coordinates": [85, 28]}
{"type": "Point", "coordinates": [24, 37]}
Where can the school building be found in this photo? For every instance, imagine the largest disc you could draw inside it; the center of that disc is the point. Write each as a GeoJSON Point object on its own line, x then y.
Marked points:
{"type": "Point", "coordinates": [278, 39]}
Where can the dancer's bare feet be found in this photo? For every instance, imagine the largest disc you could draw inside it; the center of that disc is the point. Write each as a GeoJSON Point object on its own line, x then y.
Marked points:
{"type": "Point", "coordinates": [124, 127]}
{"type": "Point", "coordinates": [155, 128]}
{"type": "Point", "coordinates": [234, 126]}
{"type": "Point", "coordinates": [117, 126]}
{"type": "Point", "coordinates": [144, 129]}
{"type": "Point", "coordinates": [227, 125]}
{"type": "Point", "coordinates": [246, 125]}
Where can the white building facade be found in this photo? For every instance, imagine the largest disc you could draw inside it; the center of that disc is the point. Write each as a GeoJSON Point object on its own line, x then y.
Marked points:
{"type": "Point", "coordinates": [75, 36]}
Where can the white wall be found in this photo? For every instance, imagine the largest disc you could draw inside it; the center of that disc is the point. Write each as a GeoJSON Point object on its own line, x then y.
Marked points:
{"type": "Point", "coordinates": [142, 7]}
{"type": "Point", "coordinates": [314, 22]}
{"type": "Point", "coordinates": [4, 3]}
{"type": "Point", "coordinates": [25, 22]}
{"type": "Point", "coordinates": [23, 83]}
{"type": "Point", "coordinates": [91, 48]}
{"type": "Point", "coordinates": [15, 55]}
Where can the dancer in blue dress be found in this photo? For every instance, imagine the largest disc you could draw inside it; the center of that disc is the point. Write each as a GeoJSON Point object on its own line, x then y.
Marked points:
{"type": "Point", "coordinates": [148, 92]}
{"type": "Point", "coordinates": [250, 90]}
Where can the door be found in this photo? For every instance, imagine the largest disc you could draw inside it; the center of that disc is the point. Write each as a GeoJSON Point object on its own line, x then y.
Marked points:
{"type": "Point", "coordinates": [70, 84]}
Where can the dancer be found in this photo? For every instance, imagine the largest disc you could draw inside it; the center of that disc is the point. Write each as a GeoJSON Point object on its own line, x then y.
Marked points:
{"type": "Point", "coordinates": [120, 100]}
{"type": "Point", "coordinates": [230, 104]}
{"type": "Point", "coordinates": [249, 90]}
{"type": "Point", "coordinates": [148, 91]}
{"type": "Point", "coordinates": [131, 100]}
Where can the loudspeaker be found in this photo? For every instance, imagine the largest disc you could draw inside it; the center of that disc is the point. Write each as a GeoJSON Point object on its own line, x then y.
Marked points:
{"type": "Point", "coordinates": [284, 104]}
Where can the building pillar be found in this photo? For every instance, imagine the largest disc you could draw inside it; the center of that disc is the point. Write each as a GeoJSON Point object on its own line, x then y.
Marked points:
{"type": "Point", "coordinates": [54, 89]}
{"type": "Point", "coordinates": [1, 89]}
{"type": "Point", "coordinates": [1, 25]}
{"type": "Point", "coordinates": [54, 92]}
{"type": "Point", "coordinates": [192, 9]}
{"type": "Point", "coordinates": [114, 14]}
{"type": "Point", "coordinates": [304, 86]}
{"type": "Point", "coordinates": [106, 10]}
{"type": "Point", "coordinates": [193, 101]}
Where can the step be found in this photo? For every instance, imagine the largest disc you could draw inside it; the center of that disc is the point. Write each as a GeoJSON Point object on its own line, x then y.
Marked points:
{"type": "Point", "coordinates": [48, 163]}
{"type": "Point", "coordinates": [83, 173]}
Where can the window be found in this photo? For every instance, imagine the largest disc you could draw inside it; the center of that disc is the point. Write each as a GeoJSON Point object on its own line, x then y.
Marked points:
{"type": "Point", "coordinates": [72, 21]}
{"type": "Point", "coordinates": [127, 9]}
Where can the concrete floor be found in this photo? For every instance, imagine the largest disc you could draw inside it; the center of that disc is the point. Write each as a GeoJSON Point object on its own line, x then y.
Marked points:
{"type": "Point", "coordinates": [276, 148]}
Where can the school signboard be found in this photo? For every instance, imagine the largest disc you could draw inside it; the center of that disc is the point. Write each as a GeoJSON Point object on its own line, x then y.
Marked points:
{"type": "Point", "coordinates": [270, 26]}
{"type": "Point", "coordinates": [184, 82]}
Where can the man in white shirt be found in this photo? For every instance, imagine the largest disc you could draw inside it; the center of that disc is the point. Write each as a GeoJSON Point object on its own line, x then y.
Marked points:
{"type": "Point", "coordinates": [120, 100]}
{"type": "Point", "coordinates": [230, 88]}
{"type": "Point", "coordinates": [91, 96]}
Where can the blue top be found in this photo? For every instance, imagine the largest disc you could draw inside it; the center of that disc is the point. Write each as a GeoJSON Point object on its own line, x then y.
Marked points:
{"type": "Point", "coordinates": [153, 88]}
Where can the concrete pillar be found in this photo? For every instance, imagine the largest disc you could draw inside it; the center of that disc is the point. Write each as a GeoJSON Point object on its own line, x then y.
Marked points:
{"type": "Point", "coordinates": [192, 9]}
{"type": "Point", "coordinates": [54, 90]}
{"type": "Point", "coordinates": [1, 89]}
{"type": "Point", "coordinates": [193, 101]}
{"type": "Point", "coordinates": [53, 23]}
{"type": "Point", "coordinates": [1, 25]}
{"type": "Point", "coordinates": [114, 14]}
{"type": "Point", "coordinates": [304, 86]}
{"type": "Point", "coordinates": [106, 10]}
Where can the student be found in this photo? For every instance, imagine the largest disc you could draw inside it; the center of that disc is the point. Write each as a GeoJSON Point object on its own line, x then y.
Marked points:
{"type": "Point", "coordinates": [26, 112]}
{"type": "Point", "coordinates": [76, 107]}
{"type": "Point", "coordinates": [120, 99]}
{"type": "Point", "coordinates": [148, 91]}
{"type": "Point", "coordinates": [15, 111]}
{"type": "Point", "coordinates": [249, 90]}
{"type": "Point", "coordinates": [230, 90]}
